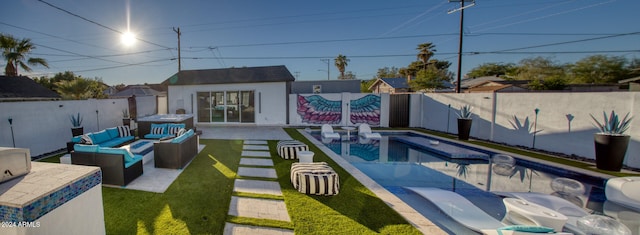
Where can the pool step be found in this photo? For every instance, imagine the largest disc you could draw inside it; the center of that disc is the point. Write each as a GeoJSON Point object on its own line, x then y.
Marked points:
{"type": "Point", "coordinates": [442, 148]}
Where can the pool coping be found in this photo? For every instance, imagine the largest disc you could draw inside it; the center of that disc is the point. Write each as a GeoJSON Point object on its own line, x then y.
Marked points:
{"type": "Point", "coordinates": [411, 215]}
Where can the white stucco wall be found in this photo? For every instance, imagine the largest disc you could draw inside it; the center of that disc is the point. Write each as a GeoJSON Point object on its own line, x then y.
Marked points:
{"type": "Point", "coordinates": [44, 126]}
{"type": "Point", "coordinates": [270, 99]}
{"type": "Point", "coordinates": [495, 114]}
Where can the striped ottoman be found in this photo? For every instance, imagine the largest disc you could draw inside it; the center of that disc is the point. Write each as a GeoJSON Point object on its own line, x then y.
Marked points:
{"type": "Point", "coordinates": [288, 149]}
{"type": "Point", "coordinates": [315, 178]}
{"type": "Point", "coordinates": [326, 184]}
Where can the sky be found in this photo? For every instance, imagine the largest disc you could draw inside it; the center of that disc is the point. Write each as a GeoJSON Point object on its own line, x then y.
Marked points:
{"type": "Point", "coordinates": [84, 36]}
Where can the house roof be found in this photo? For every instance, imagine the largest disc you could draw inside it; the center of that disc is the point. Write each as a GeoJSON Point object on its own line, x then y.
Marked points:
{"type": "Point", "coordinates": [630, 80]}
{"type": "Point", "coordinates": [24, 88]}
{"type": "Point", "coordinates": [396, 82]}
{"type": "Point", "coordinates": [137, 90]}
{"type": "Point", "coordinates": [278, 73]}
{"type": "Point", "coordinates": [471, 82]}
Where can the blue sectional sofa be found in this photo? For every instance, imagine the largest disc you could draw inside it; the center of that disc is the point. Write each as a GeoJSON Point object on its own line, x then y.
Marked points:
{"type": "Point", "coordinates": [109, 137]}
{"type": "Point", "coordinates": [164, 130]}
{"type": "Point", "coordinates": [118, 166]}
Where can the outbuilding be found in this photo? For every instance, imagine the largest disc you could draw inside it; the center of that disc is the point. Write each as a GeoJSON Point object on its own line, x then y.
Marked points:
{"type": "Point", "coordinates": [247, 95]}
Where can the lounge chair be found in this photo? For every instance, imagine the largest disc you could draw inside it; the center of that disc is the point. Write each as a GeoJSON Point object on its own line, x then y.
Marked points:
{"type": "Point", "coordinates": [327, 132]}
{"type": "Point", "coordinates": [562, 206]}
{"type": "Point", "coordinates": [466, 213]}
{"type": "Point", "coordinates": [364, 130]}
{"type": "Point", "coordinates": [624, 191]}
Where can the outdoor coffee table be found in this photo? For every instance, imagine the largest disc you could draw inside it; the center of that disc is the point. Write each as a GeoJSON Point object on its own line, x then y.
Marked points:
{"type": "Point", "coordinates": [141, 147]}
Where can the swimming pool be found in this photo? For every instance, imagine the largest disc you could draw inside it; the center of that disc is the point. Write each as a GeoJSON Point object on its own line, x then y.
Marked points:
{"type": "Point", "coordinates": [402, 159]}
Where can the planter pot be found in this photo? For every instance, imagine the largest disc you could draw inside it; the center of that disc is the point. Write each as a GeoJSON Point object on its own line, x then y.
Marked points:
{"type": "Point", "coordinates": [76, 131]}
{"type": "Point", "coordinates": [126, 121]}
{"type": "Point", "coordinates": [610, 151]}
{"type": "Point", "coordinates": [464, 127]}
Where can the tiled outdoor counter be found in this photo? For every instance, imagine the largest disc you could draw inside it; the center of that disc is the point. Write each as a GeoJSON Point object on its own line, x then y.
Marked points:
{"type": "Point", "coordinates": [53, 199]}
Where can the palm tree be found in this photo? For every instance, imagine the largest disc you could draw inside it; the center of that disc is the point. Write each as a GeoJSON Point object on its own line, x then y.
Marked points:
{"type": "Point", "coordinates": [425, 52]}
{"type": "Point", "coordinates": [341, 63]}
{"type": "Point", "coordinates": [15, 53]}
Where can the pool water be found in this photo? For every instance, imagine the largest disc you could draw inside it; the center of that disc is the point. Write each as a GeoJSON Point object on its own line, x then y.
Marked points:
{"type": "Point", "coordinates": [401, 159]}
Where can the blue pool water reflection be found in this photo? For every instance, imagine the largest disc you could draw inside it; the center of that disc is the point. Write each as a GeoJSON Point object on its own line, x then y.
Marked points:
{"type": "Point", "coordinates": [401, 160]}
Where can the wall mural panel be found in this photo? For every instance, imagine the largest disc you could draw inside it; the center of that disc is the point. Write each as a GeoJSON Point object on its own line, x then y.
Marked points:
{"type": "Point", "coordinates": [316, 109]}
{"type": "Point", "coordinates": [366, 110]}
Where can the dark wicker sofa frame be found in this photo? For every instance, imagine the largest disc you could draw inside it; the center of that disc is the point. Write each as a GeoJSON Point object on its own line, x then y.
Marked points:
{"type": "Point", "coordinates": [175, 155]}
{"type": "Point", "coordinates": [111, 165]}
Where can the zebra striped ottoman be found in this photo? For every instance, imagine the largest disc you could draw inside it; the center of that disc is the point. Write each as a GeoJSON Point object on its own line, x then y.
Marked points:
{"type": "Point", "coordinates": [315, 178]}
{"type": "Point", "coordinates": [288, 149]}
{"type": "Point", "coordinates": [297, 168]}
{"type": "Point", "coordinates": [326, 184]}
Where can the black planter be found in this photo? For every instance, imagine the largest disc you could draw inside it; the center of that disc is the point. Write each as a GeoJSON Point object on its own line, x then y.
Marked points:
{"type": "Point", "coordinates": [610, 151]}
{"type": "Point", "coordinates": [126, 121]}
{"type": "Point", "coordinates": [464, 127]}
{"type": "Point", "coordinates": [76, 131]}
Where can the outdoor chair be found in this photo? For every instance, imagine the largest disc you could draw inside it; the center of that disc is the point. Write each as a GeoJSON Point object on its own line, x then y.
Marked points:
{"type": "Point", "coordinates": [327, 132]}
{"type": "Point", "coordinates": [364, 130]}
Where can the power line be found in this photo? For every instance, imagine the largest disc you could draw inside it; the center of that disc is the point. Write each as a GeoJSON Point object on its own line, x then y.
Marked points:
{"type": "Point", "coordinates": [96, 23]}
{"type": "Point", "coordinates": [573, 41]}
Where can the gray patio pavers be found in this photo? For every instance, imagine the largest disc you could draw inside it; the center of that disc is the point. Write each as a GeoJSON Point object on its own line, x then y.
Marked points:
{"type": "Point", "coordinates": [256, 161]}
{"type": "Point", "coordinates": [231, 228]}
{"type": "Point", "coordinates": [259, 208]}
{"type": "Point", "coordinates": [249, 153]}
{"type": "Point", "coordinates": [255, 147]}
{"type": "Point", "coordinates": [252, 207]}
{"type": "Point", "coordinates": [257, 186]}
{"type": "Point", "coordinates": [257, 172]}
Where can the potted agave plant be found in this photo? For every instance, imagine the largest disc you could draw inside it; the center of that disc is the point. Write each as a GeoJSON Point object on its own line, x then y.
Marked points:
{"type": "Point", "coordinates": [76, 122]}
{"type": "Point", "coordinates": [464, 122]}
{"type": "Point", "coordinates": [611, 143]}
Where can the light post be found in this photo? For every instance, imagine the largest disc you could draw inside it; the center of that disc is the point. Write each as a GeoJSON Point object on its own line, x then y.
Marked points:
{"type": "Point", "coordinates": [12, 138]}
{"type": "Point", "coordinates": [327, 61]}
{"type": "Point", "coordinates": [535, 127]}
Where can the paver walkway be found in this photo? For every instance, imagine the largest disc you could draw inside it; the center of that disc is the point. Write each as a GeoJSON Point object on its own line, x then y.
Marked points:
{"type": "Point", "coordinates": [256, 163]}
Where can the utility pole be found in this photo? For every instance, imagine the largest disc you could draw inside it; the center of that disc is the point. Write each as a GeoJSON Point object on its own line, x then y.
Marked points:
{"type": "Point", "coordinates": [461, 9]}
{"type": "Point", "coordinates": [179, 58]}
{"type": "Point", "coordinates": [327, 61]}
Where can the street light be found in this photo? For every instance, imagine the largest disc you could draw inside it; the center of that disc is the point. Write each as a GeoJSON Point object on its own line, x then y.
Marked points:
{"type": "Point", "coordinates": [326, 61]}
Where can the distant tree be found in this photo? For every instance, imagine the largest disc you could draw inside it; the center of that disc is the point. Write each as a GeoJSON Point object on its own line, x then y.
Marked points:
{"type": "Point", "coordinates": [538, 68]}
{"type": "Point", "coordinates": [79, 87]}
{"type": "Point", "coordinates": [492, 69]}
{"type": "Point", "coordinates": [347, 76]}
{"type": "Point", "coordinates": [365, 84]}
{"type": "Point", "coordinates": [15, 52]}
{"type": "Point", "coordinates": [45, 82]}
{"type": "Point", "coordinates": [600, 69]}
{"type": "Point", "coordinates": [430, 78]}
{"type": "Point", "coordinates": [549, 83]}
{"type": "Point", "coordinates": [425, 52]}
{"type": "Point", "coordinates": [387, 72]}
{"type": "Point", "coordinates": [341, 63]}
{"type": "Point", "coordinates": [120, 87]}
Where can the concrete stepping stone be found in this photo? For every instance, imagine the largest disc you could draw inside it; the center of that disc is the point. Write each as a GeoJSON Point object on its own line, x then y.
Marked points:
{"type": "Point", "coordinates": [257, 172]}
{"type": "Point", "coordinates": [262, 142]}
{"type": "Point", "coordinates": [257, 186]}
{"type": "Point", "coordinates": [259, 208]}
{"type": "Point", "coordinates": [256, 161]}
{"type": "Point", "coordinates": [241, 229]}
{"type": "Point", "coordinates": [255, 147]}
{"type": "Point", "coordinates": [256, 154]}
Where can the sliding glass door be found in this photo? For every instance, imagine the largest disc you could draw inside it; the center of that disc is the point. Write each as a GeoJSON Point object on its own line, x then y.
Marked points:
{"type": "Point", "coordinates": [226, 106]}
